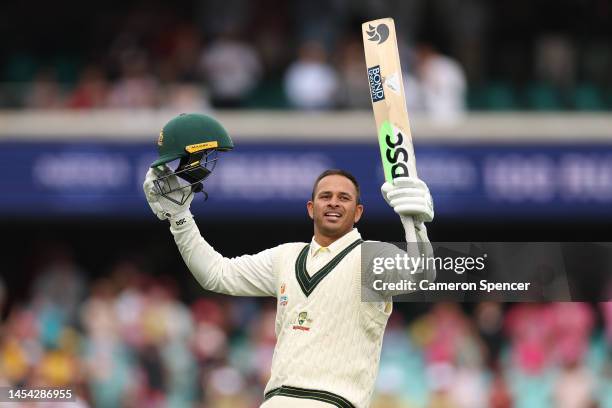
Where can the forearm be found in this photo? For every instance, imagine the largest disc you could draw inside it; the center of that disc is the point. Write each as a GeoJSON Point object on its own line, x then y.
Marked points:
{"type": "Point", "coordinates": [203, 261]}
{"type": "Point", "coordinates": [247, 276]}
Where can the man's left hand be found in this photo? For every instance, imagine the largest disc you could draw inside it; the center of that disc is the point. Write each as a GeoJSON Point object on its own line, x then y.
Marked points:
{"type": "Point", "coordinates": [161, 206]}
{"type": "Point", "coordinates": [409, 197]}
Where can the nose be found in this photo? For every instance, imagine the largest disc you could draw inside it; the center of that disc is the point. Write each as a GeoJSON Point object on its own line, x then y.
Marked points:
{"type": "Point", "coordinates": [334, 202]}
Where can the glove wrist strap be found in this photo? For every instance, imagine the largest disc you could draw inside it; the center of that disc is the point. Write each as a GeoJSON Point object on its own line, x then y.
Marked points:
{"type": "Point", "coordinates": [180, 218]}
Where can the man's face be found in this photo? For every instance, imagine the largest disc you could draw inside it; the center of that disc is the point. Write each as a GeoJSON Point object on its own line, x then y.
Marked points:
{"type": "Point", "coordinates": [334, 208]}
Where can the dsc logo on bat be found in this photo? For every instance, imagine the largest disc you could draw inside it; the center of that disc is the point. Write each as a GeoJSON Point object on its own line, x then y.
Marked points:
{"type": "Point", "coordinates": [395, 156]}
{"type": "Point", "coordinates": [376, 86]}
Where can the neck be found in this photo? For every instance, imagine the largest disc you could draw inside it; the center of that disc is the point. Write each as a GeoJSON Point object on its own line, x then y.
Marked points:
{"type": "Point", "coordinates": [326, 240]}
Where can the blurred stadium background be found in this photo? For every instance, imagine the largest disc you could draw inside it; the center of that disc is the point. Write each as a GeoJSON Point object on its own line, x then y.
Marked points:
{"type": "Point", "coordinates": [510, 105]}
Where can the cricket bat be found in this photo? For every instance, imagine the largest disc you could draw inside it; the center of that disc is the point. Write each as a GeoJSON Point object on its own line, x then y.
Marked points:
{"type": "Point", "coordinates": [389, 104]}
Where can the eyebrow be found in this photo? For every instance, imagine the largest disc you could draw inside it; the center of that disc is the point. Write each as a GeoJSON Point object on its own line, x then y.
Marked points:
{"type": "Point", "coordinates": [340, 193]}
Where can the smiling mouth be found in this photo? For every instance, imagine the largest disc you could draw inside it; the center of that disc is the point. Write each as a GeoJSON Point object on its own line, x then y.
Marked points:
{"type": "Point", "coordinates": [332, 214]}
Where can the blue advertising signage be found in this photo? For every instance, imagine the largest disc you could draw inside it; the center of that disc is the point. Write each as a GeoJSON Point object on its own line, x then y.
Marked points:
{"type": "Point", "coordinates": [275, 180]}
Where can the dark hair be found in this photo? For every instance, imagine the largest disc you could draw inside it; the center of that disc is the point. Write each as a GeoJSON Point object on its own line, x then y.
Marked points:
{"type": "Point", "coordinates": [337, 172]}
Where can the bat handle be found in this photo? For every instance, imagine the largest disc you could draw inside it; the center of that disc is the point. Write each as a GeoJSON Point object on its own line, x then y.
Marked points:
{"type": "Point", "coordinates": [411, 237]}
{"type": "Point", "coordinates": [409, 229]}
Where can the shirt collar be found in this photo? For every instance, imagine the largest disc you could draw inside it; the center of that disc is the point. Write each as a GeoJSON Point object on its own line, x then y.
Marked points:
{"type": "Point", "coordinates": [338, 245]}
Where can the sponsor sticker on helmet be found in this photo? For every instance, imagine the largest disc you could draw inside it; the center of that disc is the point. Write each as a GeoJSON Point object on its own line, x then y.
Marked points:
{"type": "Point", "coordinates": [198, 147]}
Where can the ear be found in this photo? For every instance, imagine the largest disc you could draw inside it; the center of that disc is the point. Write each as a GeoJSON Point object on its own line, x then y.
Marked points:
{"type": "Point", "coordinates": [310, 208]}
{"type": "Point", "coordinates": [358, 212]}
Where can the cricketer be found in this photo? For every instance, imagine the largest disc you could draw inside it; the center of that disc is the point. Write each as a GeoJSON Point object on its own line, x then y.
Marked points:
{"type": "Point", "coordinates": [328, 341]}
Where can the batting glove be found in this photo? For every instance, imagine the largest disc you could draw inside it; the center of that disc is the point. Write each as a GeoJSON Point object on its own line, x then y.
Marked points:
{"type": "Point", "coordinates": [162, 207]}
{"type": "Point", "coordinates": [409, 197]}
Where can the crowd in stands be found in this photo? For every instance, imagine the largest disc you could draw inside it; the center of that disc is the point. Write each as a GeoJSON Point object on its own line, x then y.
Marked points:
{"type": "Point", "coordinates": [228, 74]}
{"type": "Point", "coordinates": [131, 339]}
{"type": "Point", "coordinates": [309, 55]}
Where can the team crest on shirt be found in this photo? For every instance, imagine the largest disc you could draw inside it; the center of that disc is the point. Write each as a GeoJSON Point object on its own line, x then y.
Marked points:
{"type": "Point", "coordinates": [284, 299]}
{"type": "Point", "coordinates": [303, 322]}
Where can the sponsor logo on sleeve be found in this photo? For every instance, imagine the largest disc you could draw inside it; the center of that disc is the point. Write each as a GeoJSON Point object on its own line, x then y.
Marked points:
{"type": "Point", "coordinates": [284, 299]}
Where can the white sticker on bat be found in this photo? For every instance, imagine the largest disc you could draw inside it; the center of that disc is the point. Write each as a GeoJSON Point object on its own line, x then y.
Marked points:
{"type": "Point", "coordinates": [393, 83]}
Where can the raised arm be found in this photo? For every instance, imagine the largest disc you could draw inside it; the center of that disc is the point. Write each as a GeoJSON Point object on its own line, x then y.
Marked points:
{"type": "Point", "coordinates": [410, 199]}
{"type": "Point", "coordinates": [249, 275]}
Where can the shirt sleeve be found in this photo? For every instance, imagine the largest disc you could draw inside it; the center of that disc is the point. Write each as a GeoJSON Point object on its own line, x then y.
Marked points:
{"type": "Point", "coordinates": [247, 275]}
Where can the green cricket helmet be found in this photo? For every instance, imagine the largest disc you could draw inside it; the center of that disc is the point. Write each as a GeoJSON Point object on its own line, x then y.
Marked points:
{"type": "Point", "coordinates": [194, 140]}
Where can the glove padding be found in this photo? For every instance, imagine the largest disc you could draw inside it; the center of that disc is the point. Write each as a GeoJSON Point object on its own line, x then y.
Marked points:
{"type": "Point", "coordinates": [162, 207]}
{"type": "Point", "coordinates": [409, 197]}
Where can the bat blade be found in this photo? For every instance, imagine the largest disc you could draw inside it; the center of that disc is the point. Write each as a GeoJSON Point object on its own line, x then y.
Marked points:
{"type": "Point", "coordinates": [389, 104]}
{"type": "Point", "coordinates": [388, 98]}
